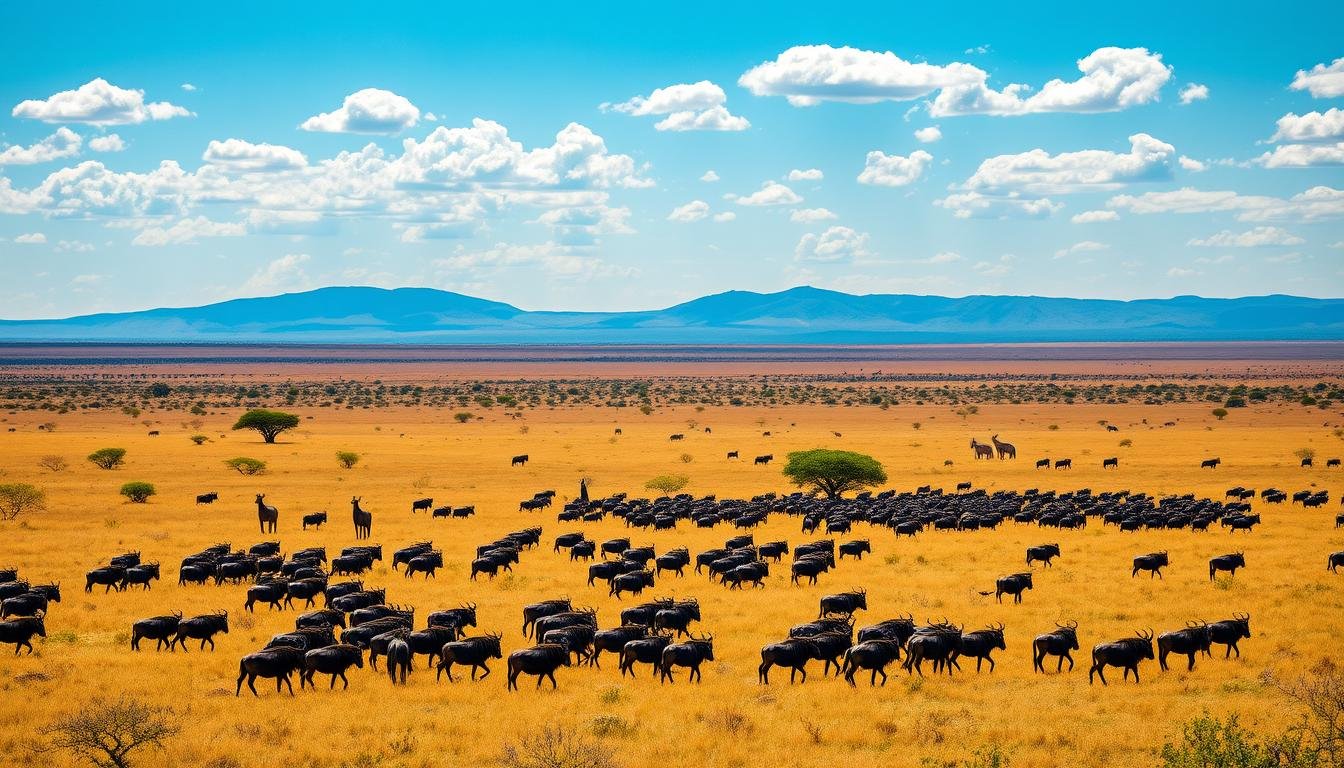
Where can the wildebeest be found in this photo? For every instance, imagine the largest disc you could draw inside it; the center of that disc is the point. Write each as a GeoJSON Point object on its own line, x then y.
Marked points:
{"type": "Point", "coordinates": [140, 574]}
{"type": "Point", "coordinates": [810, 567]}
{"type": "Point", "coordinates": [1044, 553]}
{"type": "Point", "coordinates": [398, 659]}
{"type": "Point", "coordinates": [644, 650]}
{"type": "Point", "coordinates": [207, 498]}
{"type": "Point", "coordinates": [937, 643]}
{"type": "Point", "coordinates": [614, 640]}
{"type": "Point", "coordinates": [1193, 639]}
{"type": "Point", "coordinates": [463, 616]}
{"type": "Point", "coordinates": [159, 628]}
{"type": "Point", "coordinates": [269, 592]}
{"type": "Point", "coordinates": [332, 660]}
{"type": "Point", "coordinates": [470, 651]}
{"type": "Point", "coordinates": [444, 511]}
{"type": "Point", "coordinates": [1043, 463]}
{"type": "Point", "coordinates": [32, 602]}
{"type": "Point", "coordinates": [315, 519]}
{"type": "Point", "coordinates": [1331, 463]}
{"type": "Point", "coordinates": [421, 504]}
{"type": "Point", "coordinates": [855, 548]}
{"type": "Point", "coordinates": [278, 662]}
{"type": "Point", "coordinates": [545, 608]}
{"type": "Point", "coordinates": [677, 616]}
{"type": "Point", "coordinates": [793, 653]}
{"type": "Point", "coordinates": [1064, 464]}
{"type": "Point", "coordinates": [633, 582]}
{"type": "Point", "coordinates": [203, 628]}
{"type": "Point", "coordinates": [1113, 462]}
{"type": "Point", "coordinates": [874, 655]}
{"type": "Point", "coordinates": [1112, 428]}
{"type": "Point", "coordinates": [1059, 642]}
{"type": "Point", "coordinates": [691, 653]}
{"type": "Point", "coordinates": [732, 455]}
{"type": "Point", "coordinates": [1229, 631]}
{"type": "Point", "coordinates": [1210, 463]}
{"type": "Point", "coordinates": [844, 603]}
{"type": "Point", "coordinates": [109, 576]}
{"type": "Point", "coordinates": [425, 563]}
{"type": "Point", "coordinates": [766, 459]}
{"type": "Point", "coordinates": [1153, 562]}
{"type": "Point", "coordinates": [981, 643]}
{"type": "Point", "coordinates": [540, 660]}
{"type": "Point", "coordinates": [267, 515]}
{"type": "Point", "coordinates": [1013, 584]}
{"type": "Point", "coordinates": [405, 554]}
{"type": "Point", "coordinates": [1334, 561]}
{"type": "Point", "coordinates": [20, 631]}
{"type": "Point", "coordinates": [1229, 563]}
{"type": "Point", "coordinates": [673, 560]}
{"type": "Point", "coordinates": [363, 520]}
{"type": "Point", "coordinates": [519, 460]}
{"type": "Point", "coordinates": [1306, 461]}
{"type": "Point", "coordinates": [1126, 652]}
{"type": "Point", "coordinates": [676, 437]}
{"type": "Point", "coordinates": [467, 511]}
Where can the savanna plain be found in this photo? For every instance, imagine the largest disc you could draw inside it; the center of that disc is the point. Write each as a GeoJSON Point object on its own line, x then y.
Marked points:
{"type": "Point", "coordinates": [918, 425]}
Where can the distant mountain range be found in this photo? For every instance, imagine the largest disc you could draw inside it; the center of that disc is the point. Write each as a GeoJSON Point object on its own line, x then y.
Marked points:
{"type": "Point", "coordinates": [797, 316]}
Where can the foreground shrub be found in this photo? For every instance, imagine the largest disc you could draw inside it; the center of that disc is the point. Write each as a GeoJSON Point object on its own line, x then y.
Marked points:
{"type": "Point", "coordinates": [106, 731]}
{"type": "Point", "coordinates": [108, 458]}
{"type": "Point", "coordinates": [138, 492]}
{"type": "Point", "coordinates": [18, 498]}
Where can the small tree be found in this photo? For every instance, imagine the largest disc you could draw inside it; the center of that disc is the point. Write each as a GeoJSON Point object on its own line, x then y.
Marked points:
{"type": "Point", "coordinates": [556, 747]}
{"type": "Point", "coordinates": [199, 439]}
{"type": "Point", "coordinates": [108, 458]}
{"type": "Point", "coordinates": [159, 389]}
{"type": "Point", "coordinates": [834, 472]}
{"type": "Point", "coordinates": [53, 463]}
{"type": "Point", "coordinates": [105, 732]}
{"type": "Point", "coordinates": [1220, 413]}
{"type": "Point", "coordinates": [347, 459]}
{"type": "Point", "coordinates": [268, 423]}
{"type": "Point", "coordinates": [244, 465]}
{"type": "Point", "coordinates": [667, 484]}
{"type": "Point", "coordinates": [138, 492]}
{"type": "Point", "coordinates": [462, 417]}
{"type": "Point", "coordinates": [18, 498]}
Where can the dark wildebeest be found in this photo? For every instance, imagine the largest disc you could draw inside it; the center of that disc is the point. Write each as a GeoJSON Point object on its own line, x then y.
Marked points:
{"type": "Point", "coordinates": [441, 512]}
{"type": "Point", "coordinates": [109, 576]}
{"type": "Point", "coordinates": [677, 617]}
{"type": "Point", "coordinates": [732, 455]}
{"type": "Point", "coordinates": [405, 554]}
{"type": "Point", "coordinates": [332, 660]}
{"type": "Point", "coordinates": [1112, 428]}
{"type": "Point", "coordinates": [1153, 562]}
{"type": "Point", "coordinates": [773, 550]}
{"type": "Point", "coordinates": [140, 574]}
{"type": "Point", "coordinates": [614, 547]}
{"type": "Point", "coordinates": [20, 631]}
{"type": "Point", "coordinates": [540, 660]}
{"type": "Point", "coordinates": [673, 560]}
{"type": "Point", "coordinates": [1043, 463]}
{"type": "Point", "coordinates": [584, 550]}
{"type": "Point", "coordinates": [464, 512]}
{"type": "Point", "coordinates": [203, 628]}
{"type": "Point", "coordinates": [1331, 463]}
{"type": "Point", "coordinates": [1210, 463]}
{"type": "Point", "coordinates": [1185, 642]}
{"type": "Point", "coordinates": [1335, 561]}
{"type": "Point", "coordinates": [306, 590]}
{"type": "Point", "coordinates": [1228, 563]}
{"type": "Point", "coordinates": [363, 520]}
{"type": "Point", "coordinates": [490, 564]}
{"type": "Point", "coordinates": [855, 548]}
{"type": "Point", "coordinates": [1126, 652]}
{"type": "Point", "coordinates": [1113, 462]}
{"type": "Point", "coordinates": [633, 582]}
{"type": "Point", "coordinates": [430, 641]}
{"type": "Point", "coordinates": [207, 498]}
{"type": "Point", "coordinates": [160, 628]}
{"type": "Point", "coordinates": [874, 655]}
{"type": "Point", "coordinates": [899, 629]}
{"type": "Point", "coordinates": [1229, 631]}
{"type": "Point", "coordinates": [518, 461]}
{"type": "Point", "coordinates": [399, 659]}
{"type": "Point", "coordinates": [644, 650]}
{"type": "Point", "coordinates": [328, 616]}
{"type": "Point", "coordinates": [270, 592]}
{"type": "Point", "coordinates": [1013, 584]}
{"type": "Point", "coordinates": [810, 567]}
{"type": "Point", "coordinates": [1057, 643]}
{"type": "Point", "coordinates": [1044, 553]}
{"type": "Point", "coordinates": [425, 563]}
{"type": "Point", "coordinates": [981, 643]}
{"type": "Point", "coordinates": [278, 662]}
{"type": "Point", "coordinates": [1306, 461]}
{"type": "Point", "coordinates": [421, 504]}
{"type": "Point", "coordinates": [614, 640]}
{"type": "Point", "coordinates": [1064, 464]}
{"type": "Point", "coordinates": [691, 654]}
{"type": "Point", "coordinates": [471, 651]}
{"type": "Point", "coordinates": [29, 603]}
{"type": "Point", "coordinates": [545, 608]}
{"type": "Point", "coordinates": [676, 437]}
{"type": "Point", "coordinates": [793, 653]}
{"type": "Point", "coordinates": [963, 487]}
{"type": "Point", "coordinates": [766, 459]}
{"type": "Point", "coordinates": [267, 516]}
{"type": "Point", "coordinates": [844, 604]}
{"type": "Point", "coordinates": [315, 519]}
{"type": "Point", "coordinates": [937, 643]}
{"type": "Point", "coordinates": [464, 616]}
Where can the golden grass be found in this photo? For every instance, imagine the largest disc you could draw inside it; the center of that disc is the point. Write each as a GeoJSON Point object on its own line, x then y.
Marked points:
{"type": "Point", "coordinates": [729, 720]}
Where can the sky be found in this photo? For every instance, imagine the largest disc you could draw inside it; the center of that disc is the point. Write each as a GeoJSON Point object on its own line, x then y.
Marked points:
{"type": "Point", "coordinates": [617, 157]}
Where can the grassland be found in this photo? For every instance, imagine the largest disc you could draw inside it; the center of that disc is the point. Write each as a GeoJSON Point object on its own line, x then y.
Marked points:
{"type": "Point", "coordinates": [1297, 607]}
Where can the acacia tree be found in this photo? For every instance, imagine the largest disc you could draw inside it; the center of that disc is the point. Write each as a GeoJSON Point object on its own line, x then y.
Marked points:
{"type": "Point", "coordinates": [268, 423]}
{"type": "Point", "coordinates": [108, 458]}
{"type": "Point", "coordinates": [834, 472]}
{"type": "Point", "coordinates": [667, 484]}
{"type": "Point", "coordinates": [18, 498]}
{"type": "Point", "coordinates": [106, 731]}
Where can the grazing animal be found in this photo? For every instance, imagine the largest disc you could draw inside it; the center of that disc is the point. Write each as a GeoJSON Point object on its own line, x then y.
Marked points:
{"type": "Point", "coordinates": [675, 438]}
{"type": "Point", "coordinates": [540, 660]}
{"type": "Point", "coordinates": [1044, 553]}
{"type": "Point", "coordinates": [1331, 463]}
{"type": "Point", "coordinates": [332, 660]}
{"type": "Point", "coordinates": [691, 653]}
{"type": "Point", "coordinates": [873, 655]}
{"type": "Point", "coordinates": [1057, 643]}
{"type": "Point", "coordinates": [277, 662]}
{"type": "Point", "coordinates": [519, 460]}
{"type": "Point", "coordinates": [1113, 463]}
{"type": "Point", "coordinates": [981, 643]}
{"type": "Point", "coordinates": [1043, 463]}
{"type": "Point", "coordinates": [363, 520]}
{"type": "Point", "coordinates": [732, 455]}
{"type": "Point", "coordinates": [1306, 462]}
{"type": "Point", "coordinates": [1006, 450]}
{"type": "Point", "coordinates": [644, 650]}
{"type": "Point", "coordinates": [793, 653]}
{"type": "Point", "coordinates": [1013, 584]}
{"type": "Point", "coordinates": [425, 563]}
{"type": "Point", "coordinates": [540, 610]}
{"type": "Point", "coordinates": [140, 574]}
{"type": "Point", "coordinates": [207, 498]}
{"type": "Point", "coordinates": [766, 459]}
{"type": "Point", "coordinates": [162, 629]}
{"type": "Point", "coordinates": [1210, 463]}
{"type": "Point", "coordinates": [316, 519]}
{"type": "Point", "coordinates": [1153, 563]}
{"type": "Point", "coordinates": [421, 504]}
{"type": "Point", "coordinates": [266, 514]}
{"type": "Point", "coordinates": [843, 604]}
{"type": "Point", "coordinates": [203, 628]}
{"type": "Point", "coordinates": [20, 631]}
{"type": "Point", "coordinates": [1229, 563]}
{"type": "Point", "coordinates": [398, 658]}
{"type": "Point", "coordinates": [1126, 652]}
{"type": "Point", "coordinates": [1064, 464]}
{"type": "Point", "coordinates": [982, 450]}
{"type": "Point", "coordinates": [1335, 561]}
{"type": "Point", "coordinates": [855, 548]}
{"type": "Point", "coordinates": [633, 582]}
{"type": "Point", "coordinates": [109, 576]}
{"type": "Point", "coordinates": [1112, 428]}
{"type": "Point", "coordinates": [471, 651]}
{"type": "Point", "coordinates": [963, 487]}
{"type": "Point", "coordinates": [1229, 631]}
{"type": "Point", "coordinates": [1185, 642]}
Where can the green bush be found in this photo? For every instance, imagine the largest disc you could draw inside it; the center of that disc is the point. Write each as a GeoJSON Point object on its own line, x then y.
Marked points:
{"type": "Point", "coordinates": [199, 439]}
{"type": "Point", "coordinates": [108, 458]}
{"type": "Point", "coordinates": [18, 498]}
{"type": "Point", "coordinates": [347, 459]}
{"type": "Point", "coordinates": [268, 423]}
{"type": "Point", "coordinates": [245, 465]}
{"type": "Point", "coordinates": [1208, 742]}
{"type": "Point", "coordinates": [667, 484]}
{"type": "Point", "coordinates": [138, 492]}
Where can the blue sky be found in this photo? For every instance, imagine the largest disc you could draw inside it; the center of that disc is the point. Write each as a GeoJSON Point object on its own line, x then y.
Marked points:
{"type": "Point", "coordinates": [558, 159]}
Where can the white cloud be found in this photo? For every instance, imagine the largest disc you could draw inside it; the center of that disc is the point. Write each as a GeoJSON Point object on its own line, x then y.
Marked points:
{"type": "Point", "coordinates": [1311, 127]}
{"type": "Point", "coordinates": [1192, 165]}
{"type": "Point", "coordinates": [1252, 238]}
{"type": "Point", "coordinates": [109, 143]}
{"type": "Point", "coordinates": [31, 238]}
{"type": "Point", "coordinates": [456, 230]}
{"type": "Point", "coordinates": [835, 244]}
{"type": "Point", "coordinates": [995, 268]}
{"type": "Point", "coordinates": [1093, 217]}
{"type": "Point", "coordinates": [370, 111]}
{"type": "Point", "coordinates": [1314, 204]}
{"type": "Point", "coordinates": [1037, 170]}
{"type": "Point", "coordinates": [1181, 272]}
{"type": "Point", "coordinates": [709, 176]}
{"type": "Point", "coordinates": [63, 143]}
{"type": "Point", "coordinates": [974, 205]}
{"type": "Point", "coordinates": [246, 156]}
{"type": "Point", "coordinates": [811, 174]}
{"type": "Point", "coordinates": [809, 215]}
{"type": "Point", "coordinates": [893, 170]}
{"type": "Point", "coordinates": [98, 102]}
{"type": "Point", "coordinates": [1303, 156]}
{"type": "Point", "coordinates": [188, 87]}
{"type": "Point", "coordinates": [810, 74]}
{"type": "Point", "coordinates": [187, 231]}
{"type": "Point", "coordinates": [725, 217]}
{"type": "Point", "coordinates": [1194, 92]}
{"type": "Point", "coordinates": [1323, 82]}
{"type": "Point", "coordinates": [73, 246]}
{"type": "Point", "coordinates": [942, 257]}
{"type": "Point", "coordinates": [1086, 246]}
{"type": "Point", "coordinates": [692, 211]}
{"type": "Point", "coordinates": [285, 274]}
{"type": "Point", "coordinates": [553, 260]}
{"type": "Point", "coordinates": [1112, 79]}
{"type": "Point", "coordinates": [581, 225]}
{"type": "Point", "coordinates": [687, 106]}
{"type": "Point", "coordinates": [928, 135]}
{"type": "Point", "coordinates": [771, 193]}
{"type": "Point", "coordinates": [88, 279]}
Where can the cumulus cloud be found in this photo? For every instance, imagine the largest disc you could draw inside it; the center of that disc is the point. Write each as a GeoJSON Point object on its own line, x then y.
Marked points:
{"type": "Point", "coordinates": [63, 143]}
{"type": "Point", "coordinates": [811, 174]}
{"type": "Point", "coordinates": [725, 217]}
{"type": "Point", "coordinates": [1321, 81]}
{"type": "Point", "coordinates": [1037, 170]}
{"type": "Point", "coordinates": [709, 176]}
{"type": "Point", "coordinates": [188, 87]}
{"type": "Point", "coordinates": [1086, 246]}
{"type": "Point", "coordinates": [187, 231]}
{"type": "Point", "coordinates": [31, 238]}
{"type": "Point", "coordinates": [246, 156]}
{"type": "Point", "coordinates": [692, 211]}
{"type": "Point", "coordinates": [285, 274]}
{"type": "Point", "coordinates": [1252, 238]}
{"type": "Point", "coordinates": [581, 225]}
{"type": "Point", "coordinates": [809, 215]}
{"type": "Point", "coordinates": [370, 111]}
{"type": "Point", "coordinates": [835, 244]}
{"type": "Point", "coordinates": [893, 170]}
{"type": "Point", "coordinates": [687, 106]}
{"type": "Point", "coordinates": [98, 102]}
{"type": "Point", "coordinates": [1192, 165]}
{"type": "Point", "coordinates": [1314, 204]}
{"type": "Point", "coordinates": [551, 259]}
{"type": "Point", "coordinates": [809, 74]}
{"type": "Point", "coordinates": [1194, 92]}
{"type": "Point", "coordinates": [928, 135]}
{"type": "Point", "coordinates": [974, 205]}
{"type": "Point", "coordinates": [109, 143]}
{"type": "Point", "coordinates": [1094, 217]}
{"type": "Point", "coordinates": [771, 193]}
{"type": "Point", "coordinates": [454, 230]}
{"type": "Point", "coordinates": [1303, 156]}
{"type": "Point", "coordinates": [995, 268]}
{"type": "Point", "coordinates": [1311, 127]}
